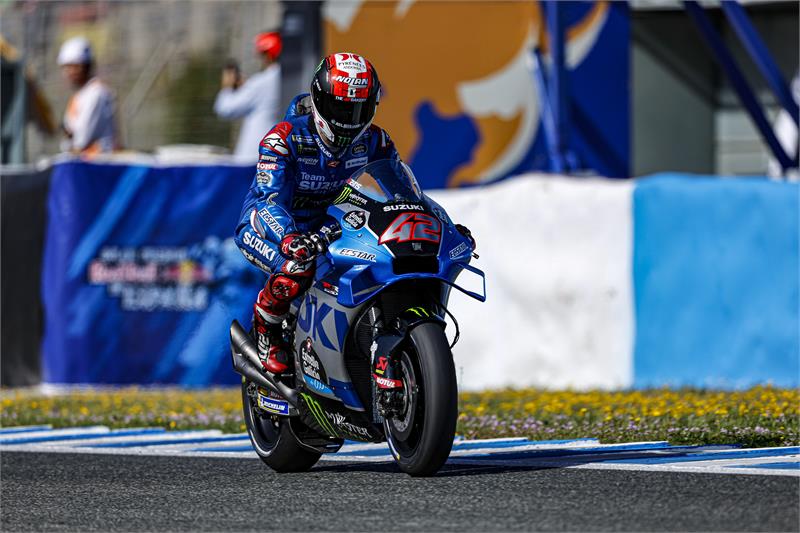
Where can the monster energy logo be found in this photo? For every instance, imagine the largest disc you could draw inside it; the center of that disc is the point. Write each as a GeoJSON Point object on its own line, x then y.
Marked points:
{"type": "Point", "coordinates": [319, 414]}
{"type": "Point", "coordinates": [419, 311]}
{"type": "Point", "coordinates": [343, 427]}
{"type": "Point", "coordinates": [343, 195]}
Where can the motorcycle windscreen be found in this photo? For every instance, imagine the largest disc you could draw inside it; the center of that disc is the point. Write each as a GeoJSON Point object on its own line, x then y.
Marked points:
{"type": "Point", "coordinates": [399, 216]}
{"type": "Point", "coordinates": [387, 181]}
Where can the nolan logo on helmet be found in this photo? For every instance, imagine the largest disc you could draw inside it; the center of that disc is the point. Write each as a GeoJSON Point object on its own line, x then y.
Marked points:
{"type": "Point", "coordinates": [358, 82]}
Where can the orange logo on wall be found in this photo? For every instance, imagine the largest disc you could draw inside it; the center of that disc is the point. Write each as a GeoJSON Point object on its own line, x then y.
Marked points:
{"type": "Point", "coordinates": [457, 59]}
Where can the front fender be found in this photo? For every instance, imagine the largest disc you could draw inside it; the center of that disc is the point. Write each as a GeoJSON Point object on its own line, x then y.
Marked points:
{"type": "Point", "coordinates": [387, 343]}
{"type": "Point", "coordinates": [414, 316]}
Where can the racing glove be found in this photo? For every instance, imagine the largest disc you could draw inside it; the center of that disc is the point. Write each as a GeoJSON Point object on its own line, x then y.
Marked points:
{"type": "Point", "coordinates": [298, 246]}
{"type": "Point", "coordinates": [463, 230]}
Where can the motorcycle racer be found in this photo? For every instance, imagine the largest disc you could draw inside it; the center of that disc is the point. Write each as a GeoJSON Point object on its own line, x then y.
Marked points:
{"type": "Point", "coordinates": [304, 163]}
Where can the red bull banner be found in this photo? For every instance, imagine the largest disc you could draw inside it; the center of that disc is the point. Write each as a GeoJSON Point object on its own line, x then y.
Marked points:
{"type": "Point", "coordinates": [460, 96]}
{"type": "Point", "coordinates": [141, 277]}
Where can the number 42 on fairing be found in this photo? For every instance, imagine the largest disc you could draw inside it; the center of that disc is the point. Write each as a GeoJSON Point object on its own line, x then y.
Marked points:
{"type": "Point", "coordinates": [413, 227]}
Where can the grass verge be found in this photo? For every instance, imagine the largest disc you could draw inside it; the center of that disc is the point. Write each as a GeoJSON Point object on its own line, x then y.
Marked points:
{"type": "Point", "coordinates": [761, 416]}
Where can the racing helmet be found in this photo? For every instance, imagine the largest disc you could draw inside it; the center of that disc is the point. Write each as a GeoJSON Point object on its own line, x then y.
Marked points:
{"type": "Point", "coordinates": [345, 91]}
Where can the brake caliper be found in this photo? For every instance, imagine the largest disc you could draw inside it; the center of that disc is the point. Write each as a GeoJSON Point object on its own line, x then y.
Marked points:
{"type": "Point", "coordinates": [390, 388]}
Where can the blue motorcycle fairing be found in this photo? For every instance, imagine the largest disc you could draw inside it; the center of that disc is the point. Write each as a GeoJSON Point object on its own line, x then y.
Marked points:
{"type": "Point", "coordinates": [361, 278]}
{"type": "Point", "coordinates": [387, 226]}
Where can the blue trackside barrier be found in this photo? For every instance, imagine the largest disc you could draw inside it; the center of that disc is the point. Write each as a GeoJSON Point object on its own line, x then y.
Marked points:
{"type": "Point", "coordinates": [670, 280]}
{"type": "Point", "coordinates": [716, 274]}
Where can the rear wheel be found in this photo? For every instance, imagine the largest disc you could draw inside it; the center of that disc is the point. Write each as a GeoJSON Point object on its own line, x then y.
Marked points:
{"type": "Point", "coordinates": [421, 436]}
{"type": "Point", "coordinates": [273, 440]}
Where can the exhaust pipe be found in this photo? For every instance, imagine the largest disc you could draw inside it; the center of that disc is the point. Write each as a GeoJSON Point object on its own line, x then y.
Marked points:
{"type": "Point", "coordinates": [247, 363]}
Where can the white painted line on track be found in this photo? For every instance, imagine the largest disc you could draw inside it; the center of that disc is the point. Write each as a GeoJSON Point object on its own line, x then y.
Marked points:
{"type": "Point", "coordinates": [63, 432]}
{"type": "Point", "coordinates": [23, 429]}
{"type": "Point", "coordinates": [692, 469]}
{"type": "Point", "coordinates": [588, 453]}
{"type": "Point", "coordinates": [138, 440]}
{"type": "Point", "coordinates": [753, 461]}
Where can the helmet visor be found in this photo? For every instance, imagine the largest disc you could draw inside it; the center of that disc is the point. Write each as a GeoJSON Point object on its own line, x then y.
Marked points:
{"type": "Point", "coordinates": [345, 117]}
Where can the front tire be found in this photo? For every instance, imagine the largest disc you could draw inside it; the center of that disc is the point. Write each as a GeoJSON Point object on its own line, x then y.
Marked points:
{"type": "Point", "coordinates": [421, 438]}
{"type": "Point", "coordinates": [273, 440]}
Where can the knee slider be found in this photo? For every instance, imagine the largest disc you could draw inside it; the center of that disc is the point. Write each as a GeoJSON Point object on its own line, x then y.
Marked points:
{"type": "Point", "coordinates": [284, 288]}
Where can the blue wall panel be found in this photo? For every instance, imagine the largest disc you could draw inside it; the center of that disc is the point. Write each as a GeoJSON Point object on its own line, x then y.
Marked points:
{"type": "Point", "coordinates": [716, 278]}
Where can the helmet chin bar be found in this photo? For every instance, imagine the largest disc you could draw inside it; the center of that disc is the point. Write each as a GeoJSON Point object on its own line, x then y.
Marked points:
{"type": "Point", "coordinates": [323, 128]}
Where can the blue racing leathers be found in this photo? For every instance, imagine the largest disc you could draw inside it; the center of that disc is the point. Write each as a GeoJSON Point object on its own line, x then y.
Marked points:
{"type": "Point", "coordinates": [297, 178]}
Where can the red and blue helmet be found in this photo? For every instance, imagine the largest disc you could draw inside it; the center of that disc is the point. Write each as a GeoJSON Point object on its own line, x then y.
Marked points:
{"type": "Point", "coordinates": [345, 92]}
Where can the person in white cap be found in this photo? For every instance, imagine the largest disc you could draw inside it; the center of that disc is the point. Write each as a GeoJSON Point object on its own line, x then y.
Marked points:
{"type": "Point", "coordinates": [89, 124]}
{"type": "Point", "coordinates": [256, 100]}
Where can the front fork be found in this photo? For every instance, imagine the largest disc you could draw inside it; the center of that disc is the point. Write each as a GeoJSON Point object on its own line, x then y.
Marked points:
{"type": "Point", "coordinates": [385, 353]}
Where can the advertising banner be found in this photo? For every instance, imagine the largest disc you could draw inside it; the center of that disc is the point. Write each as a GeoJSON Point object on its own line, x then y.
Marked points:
{"type": "Point", "coordinates": [460, 92]}
{"type": "Point", "coordinates": [141, 276]}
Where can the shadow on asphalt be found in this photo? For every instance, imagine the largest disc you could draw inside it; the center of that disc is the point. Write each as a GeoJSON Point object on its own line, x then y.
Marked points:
{"type": "Point", "coordinates": [448, 470]}
{"type": "Point", "coordinates": [525, 462]}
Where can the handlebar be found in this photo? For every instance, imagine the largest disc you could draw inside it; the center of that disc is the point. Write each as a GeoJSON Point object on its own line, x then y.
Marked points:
{"type": "Point", "coordinates": [326, 235]}
{"type": "Point", "coordinates": [323, 238]}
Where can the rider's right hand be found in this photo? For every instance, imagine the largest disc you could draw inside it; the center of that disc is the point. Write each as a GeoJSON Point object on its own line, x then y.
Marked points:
{"type": "Point", "coordinates": [298, 246]}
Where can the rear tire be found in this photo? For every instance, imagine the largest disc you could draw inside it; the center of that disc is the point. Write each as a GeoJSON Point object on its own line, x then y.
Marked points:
{"type": "Point", "coordinates": [421, 441]}
{"type": "Point", "coordinates": [273, 440]}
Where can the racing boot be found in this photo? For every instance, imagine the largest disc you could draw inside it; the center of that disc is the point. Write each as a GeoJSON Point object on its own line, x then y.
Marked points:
{"type": "Point", "coordinates": [273, 350]}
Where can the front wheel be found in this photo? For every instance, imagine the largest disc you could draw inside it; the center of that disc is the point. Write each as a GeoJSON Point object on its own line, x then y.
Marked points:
{"type": "Point", "coordinates": [273, 440]}
{"type": "Point", "coordinates": [421, 436]}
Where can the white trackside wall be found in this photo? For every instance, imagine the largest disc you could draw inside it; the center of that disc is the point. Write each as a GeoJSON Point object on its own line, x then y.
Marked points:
{"type": "Point", "coordinates": [557, 257]}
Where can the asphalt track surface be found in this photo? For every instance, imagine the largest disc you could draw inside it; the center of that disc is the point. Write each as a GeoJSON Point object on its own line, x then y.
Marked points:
{"type": "Point", "coordinates": [95, 492]}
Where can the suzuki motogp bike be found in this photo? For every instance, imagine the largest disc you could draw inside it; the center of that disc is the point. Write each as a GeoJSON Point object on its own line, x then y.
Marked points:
{"type": "Point", "coordinates": [371, 359]}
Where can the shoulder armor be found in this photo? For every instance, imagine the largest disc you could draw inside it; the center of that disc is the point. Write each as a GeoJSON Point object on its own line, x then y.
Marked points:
{"type": "Point", "coordinates": [276, 140]}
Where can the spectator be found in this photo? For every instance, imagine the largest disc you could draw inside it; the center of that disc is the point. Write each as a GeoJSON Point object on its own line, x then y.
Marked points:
{"type": "Point", "coordinates": [89, 118]}
{"type": "Point", "coordinates": [256, 100]}
{"type": "Point", "coordinates": [22, 102]}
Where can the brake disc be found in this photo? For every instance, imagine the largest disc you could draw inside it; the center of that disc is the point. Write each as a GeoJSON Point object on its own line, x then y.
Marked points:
{"type": "Point", "coordinates": [404, 423]}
